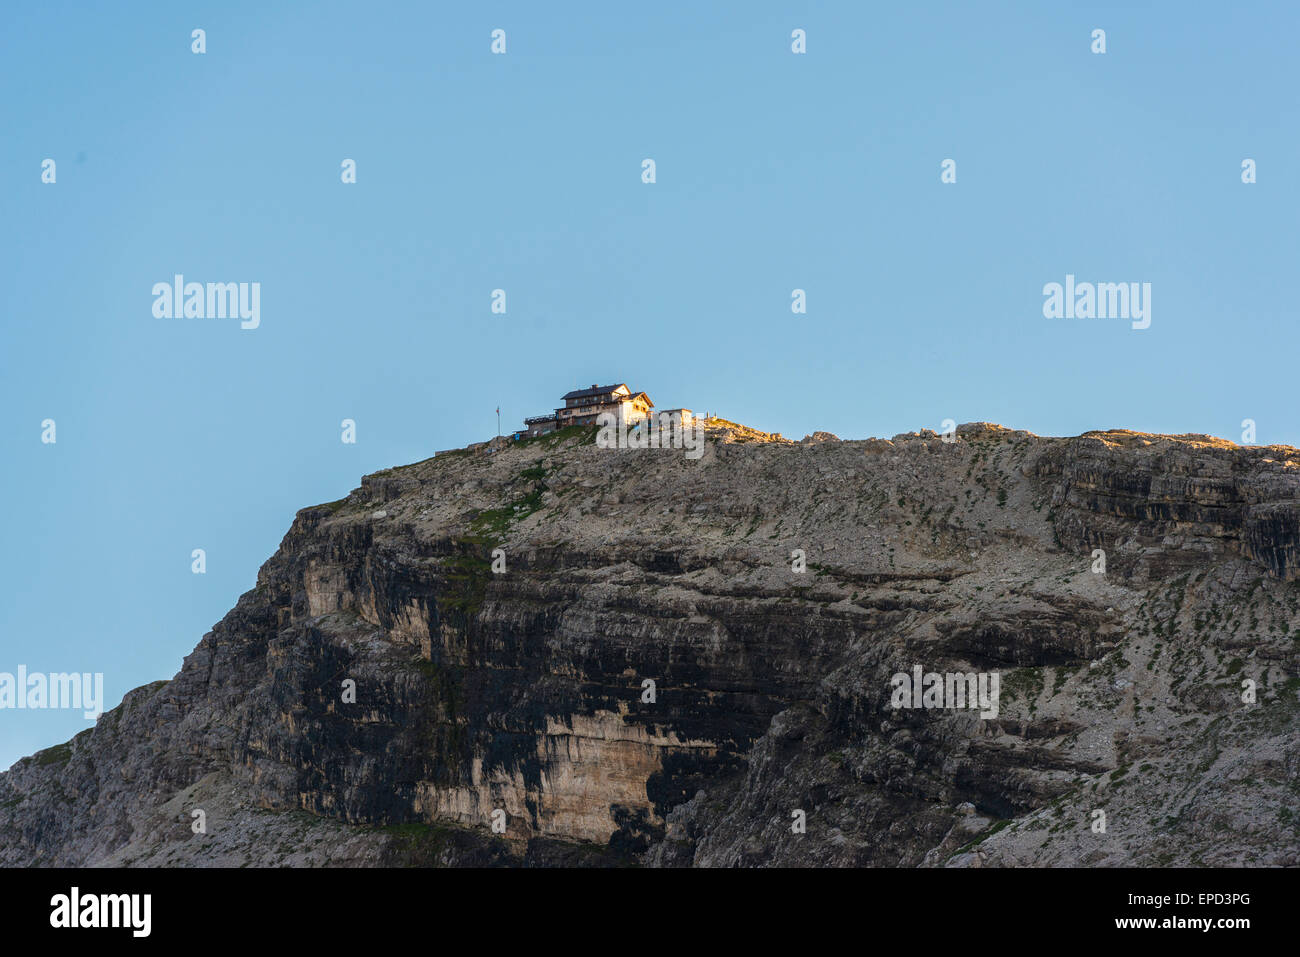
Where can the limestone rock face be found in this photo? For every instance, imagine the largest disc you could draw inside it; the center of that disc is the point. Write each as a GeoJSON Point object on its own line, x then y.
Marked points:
{"type": "Point", "coordinates": [645, 673]}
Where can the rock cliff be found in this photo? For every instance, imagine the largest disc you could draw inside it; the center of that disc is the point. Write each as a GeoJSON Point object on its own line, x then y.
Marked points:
{"type": "Point", "coordinates": [612, 654]}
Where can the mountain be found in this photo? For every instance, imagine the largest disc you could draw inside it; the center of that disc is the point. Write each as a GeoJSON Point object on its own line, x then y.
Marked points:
{"type": "Point", "coordinates": [1161, 692]}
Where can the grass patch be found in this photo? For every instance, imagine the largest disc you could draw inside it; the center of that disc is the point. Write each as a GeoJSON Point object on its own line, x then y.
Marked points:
{"type": "Point", "coordinates": [59, 754]}
{"type": "Point", "coordinates": [420, 844]}
{"type": "Point", "coordinates": [552, 439]}
{"type": "Point", "coordinates": [489, 527]}
{"type": "Point", "coordinates": [1026, 684]}
{"type": "Point", "coordinates": [444, 736]}
{"type": "Point", "coordinates": [467, 577]}
{"type": "Point", "coordinates": [981, 838]}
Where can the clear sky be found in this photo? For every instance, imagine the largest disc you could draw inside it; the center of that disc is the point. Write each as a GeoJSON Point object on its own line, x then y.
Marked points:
{"type": "Point", "coordinates": [523, 172]}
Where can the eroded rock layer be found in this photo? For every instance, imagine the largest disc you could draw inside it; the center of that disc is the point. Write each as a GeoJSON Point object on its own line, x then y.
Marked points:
{"type": "Point", "coordinates": [646, 678]}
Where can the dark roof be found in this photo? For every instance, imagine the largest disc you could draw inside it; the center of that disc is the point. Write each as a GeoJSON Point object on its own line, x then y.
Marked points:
{"type": "Point", "coordinates": [594, 390]}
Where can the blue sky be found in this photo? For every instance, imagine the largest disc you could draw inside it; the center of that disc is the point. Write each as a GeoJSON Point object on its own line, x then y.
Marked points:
{"type": "Point", "coordinates": [775, 171]}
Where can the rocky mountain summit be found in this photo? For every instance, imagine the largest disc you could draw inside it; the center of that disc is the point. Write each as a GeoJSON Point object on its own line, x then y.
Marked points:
{"type": "Point", "coordinates": [631, 657]}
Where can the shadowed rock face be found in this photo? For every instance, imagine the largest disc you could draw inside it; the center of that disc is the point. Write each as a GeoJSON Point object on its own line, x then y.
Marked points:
{"type": "Point", "coordinates": [1240, 501]}
{"type": "Point", "coordinates": [526, 691]}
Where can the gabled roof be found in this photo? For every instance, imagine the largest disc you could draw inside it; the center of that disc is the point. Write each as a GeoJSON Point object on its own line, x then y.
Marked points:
{"type": "Point", "coordinates": [642, 395]}
{"type": "Point", "coordinates": [594, 390]}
